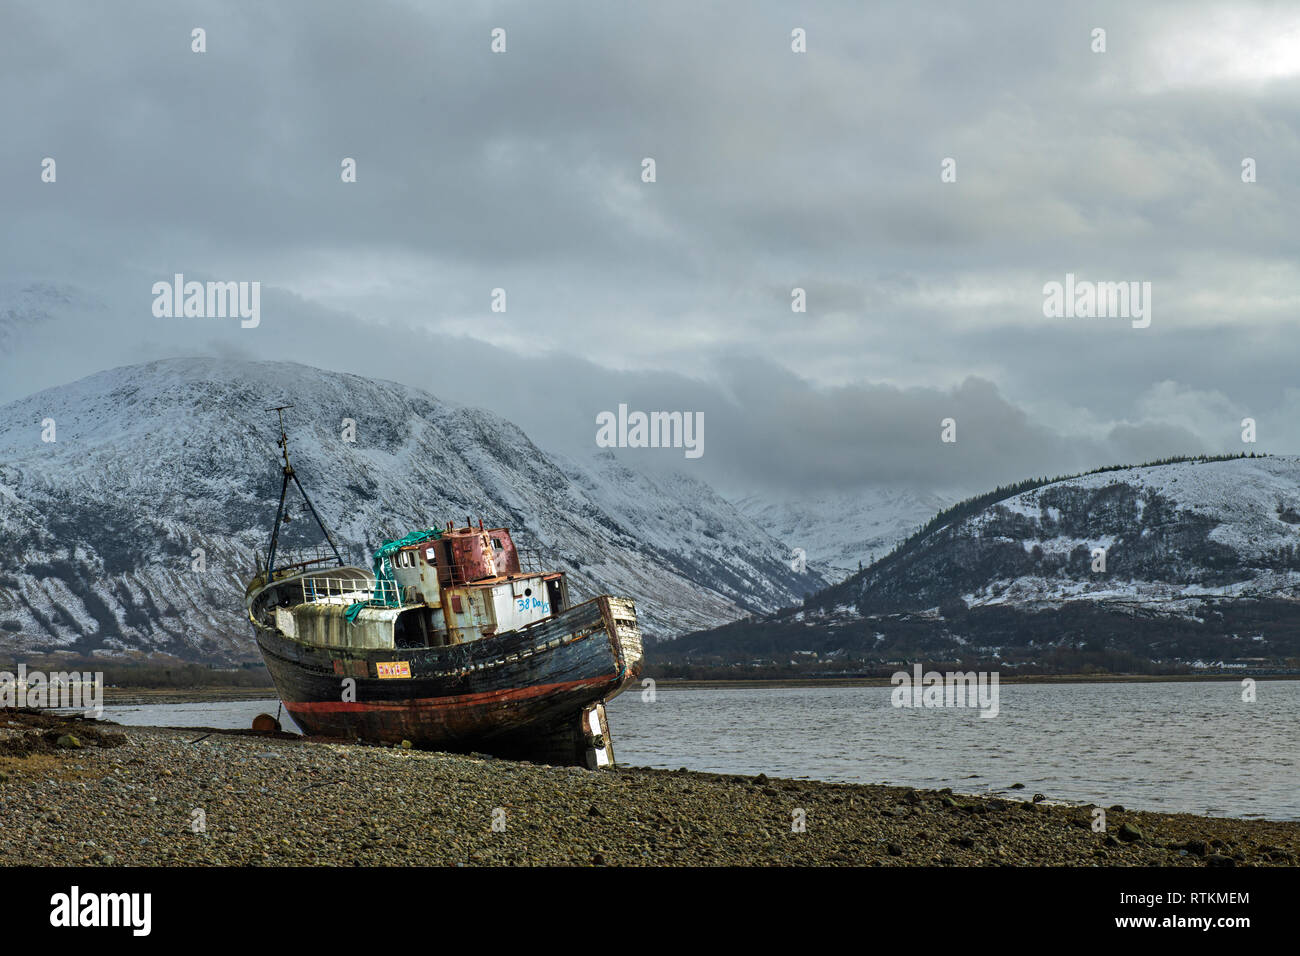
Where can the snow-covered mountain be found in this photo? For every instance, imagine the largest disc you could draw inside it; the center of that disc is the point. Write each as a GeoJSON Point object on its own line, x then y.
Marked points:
{"type": "Point", "coordinates": [1172, 535]}
{"type": "Point", "coordinates": [843, 532]}
{"type": "Point", "coordinates": [137, 527]}
{"type": "Point", "coordinates": [1155, 560]}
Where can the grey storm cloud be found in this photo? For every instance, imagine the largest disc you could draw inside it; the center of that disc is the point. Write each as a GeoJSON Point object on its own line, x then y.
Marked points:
{"type": "Point", "coordinates": [775, 170]}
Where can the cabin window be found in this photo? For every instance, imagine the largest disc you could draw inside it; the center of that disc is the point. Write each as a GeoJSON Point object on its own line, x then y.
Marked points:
{"type": "Point", "coordinates": [497, 545]}
{"type": "Point", "coordinates": [429, 555]}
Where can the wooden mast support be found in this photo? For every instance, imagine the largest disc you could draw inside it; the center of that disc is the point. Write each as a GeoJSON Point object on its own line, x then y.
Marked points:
{"type": "Point", "coordinates": [289, 473]}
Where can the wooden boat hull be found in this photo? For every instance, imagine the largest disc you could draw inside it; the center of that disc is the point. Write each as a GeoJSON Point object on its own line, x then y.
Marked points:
{"type": "Point", "coordinates": [521, 694]}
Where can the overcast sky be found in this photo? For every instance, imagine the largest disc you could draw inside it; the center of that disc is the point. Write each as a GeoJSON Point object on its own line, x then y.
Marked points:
{"type": "Point", "coordinates": [821, 170]}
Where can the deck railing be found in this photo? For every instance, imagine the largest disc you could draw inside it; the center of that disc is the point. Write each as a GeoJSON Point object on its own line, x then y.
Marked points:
{"type": "Point", "coordinates": [327, 590]}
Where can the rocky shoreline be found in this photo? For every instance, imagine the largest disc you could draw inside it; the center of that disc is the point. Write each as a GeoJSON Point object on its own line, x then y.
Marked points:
{"type": "Point", "coordinates": [91, 793]}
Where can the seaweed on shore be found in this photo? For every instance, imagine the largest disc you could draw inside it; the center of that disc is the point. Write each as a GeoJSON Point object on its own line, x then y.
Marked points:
{"type": "Point", "coordinates": [47, 733]}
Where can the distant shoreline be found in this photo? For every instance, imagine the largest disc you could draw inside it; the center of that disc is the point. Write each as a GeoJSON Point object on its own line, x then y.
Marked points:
{"type": "Point", "coordinates": [1002, 679]}
{"type": "Point", "coordinates": [119, 696]}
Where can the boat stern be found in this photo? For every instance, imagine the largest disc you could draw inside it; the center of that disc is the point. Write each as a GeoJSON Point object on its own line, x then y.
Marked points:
{"type": "Point", "coordinates": [625, 638]}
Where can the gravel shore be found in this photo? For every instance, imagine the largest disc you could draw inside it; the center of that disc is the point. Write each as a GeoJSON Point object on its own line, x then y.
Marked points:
{"type": "Point", "coordinates": [132, 796]}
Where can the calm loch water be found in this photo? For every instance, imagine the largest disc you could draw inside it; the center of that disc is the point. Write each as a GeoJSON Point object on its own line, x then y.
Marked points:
{"type": "Point", "coordinates": [1168, 746]}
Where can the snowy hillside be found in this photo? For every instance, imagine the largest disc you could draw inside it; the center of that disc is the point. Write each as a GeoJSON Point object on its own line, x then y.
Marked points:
{"type": "Point", "coordinates": [1165, 560]}
{"type": "Point", "coordinates": [98, 529]}
{"type": "Point", "coordinates": [1174, 533]}
{"type": "Point", "coordinates": [1178, 532]}
{"type": "Point", "coordinates": [843, 532]}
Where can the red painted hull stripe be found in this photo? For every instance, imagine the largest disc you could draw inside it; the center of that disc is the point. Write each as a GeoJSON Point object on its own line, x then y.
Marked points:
{"type": "Point", "coordinates": [442, 703]}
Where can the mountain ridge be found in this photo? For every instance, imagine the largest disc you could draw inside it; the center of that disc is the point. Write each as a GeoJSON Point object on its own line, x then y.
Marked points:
{"type": "Point", "coordinates": [99, 527]}
{"type": "Point", "coordinates": [1201, 554]}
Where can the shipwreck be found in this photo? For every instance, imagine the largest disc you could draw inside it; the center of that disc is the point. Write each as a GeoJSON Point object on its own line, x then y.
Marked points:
{"type": "Point", "coordinates": [453, 640]}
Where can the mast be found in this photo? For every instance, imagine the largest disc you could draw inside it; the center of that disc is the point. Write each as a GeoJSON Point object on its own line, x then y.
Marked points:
{"type": "Point", "coordinates": [290, 474]}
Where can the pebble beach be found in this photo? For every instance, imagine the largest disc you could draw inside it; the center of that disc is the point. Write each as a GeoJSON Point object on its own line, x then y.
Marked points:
{"type": "Point", "coordinates": [76, 792]}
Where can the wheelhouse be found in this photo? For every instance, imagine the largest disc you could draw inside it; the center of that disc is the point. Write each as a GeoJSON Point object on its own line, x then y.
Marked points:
{"type": "Point", "coordinates": [448, 586]}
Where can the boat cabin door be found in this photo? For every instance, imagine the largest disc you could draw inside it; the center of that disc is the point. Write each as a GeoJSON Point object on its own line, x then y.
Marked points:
{"type": "Point", "coordinates": [555, 594]}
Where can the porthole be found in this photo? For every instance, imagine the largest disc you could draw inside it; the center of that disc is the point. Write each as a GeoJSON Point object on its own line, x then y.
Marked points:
{"type": "Point", "coordinates": [528, 592]}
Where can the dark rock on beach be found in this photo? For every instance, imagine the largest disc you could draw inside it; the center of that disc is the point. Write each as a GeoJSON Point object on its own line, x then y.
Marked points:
{"type": "Point", "coordinates": [1129, 833]}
